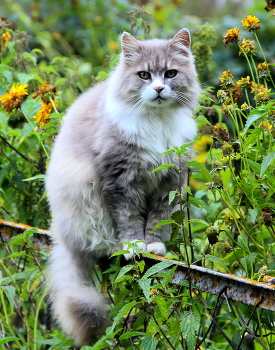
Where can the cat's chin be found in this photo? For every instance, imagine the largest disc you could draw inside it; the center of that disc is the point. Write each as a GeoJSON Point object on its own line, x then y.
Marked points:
{"type": "Point", "coordinates": [159, 102]}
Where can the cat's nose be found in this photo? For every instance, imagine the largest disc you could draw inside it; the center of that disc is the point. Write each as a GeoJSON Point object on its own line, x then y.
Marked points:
{"type": "Point", "coordinates": [159, 88]}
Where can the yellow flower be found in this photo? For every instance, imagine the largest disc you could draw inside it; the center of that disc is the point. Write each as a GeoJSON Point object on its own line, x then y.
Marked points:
{"type": "Point", "coordinates": [247, 47]}
{"type": "Point", "coordinates": [251, 23]}
{"type": "Point", "coordinates": [267, 126]}
{"type": "Point", "coordinates": [244, 82]}
{"type": "Point", "coordinates": [261, 92]}
{"type": "Point", "coordinates": [244, 107]}
{"type": "Point", "coordinates": [263, 69]}
{"type": "Point", "coordinates": [43, 115]}
{"type": "Point", "coordinates": [226, 78]}
{"type": "Point", "coordinates": [14, 97]}
{"type": "Point", "coordinates": [6, 37]}
{"type": "Point", "coordinates": [202, 147]}
{"type": "Point", "coordinates": [232, 36]}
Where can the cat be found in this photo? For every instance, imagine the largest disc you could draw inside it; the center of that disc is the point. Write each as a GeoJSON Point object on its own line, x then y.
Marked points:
{"type": "Point", "coordinates": [100, 184]}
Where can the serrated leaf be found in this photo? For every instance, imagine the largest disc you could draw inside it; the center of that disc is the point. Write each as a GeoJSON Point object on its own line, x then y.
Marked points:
{"type": "Point", "coordinates": [148, 343]}
{"type": "Point", "coordinates": [124, 311]}
{"type": "Point", "coordinates": [123, 271]}
{"type": "Point", "coordinates": [267, 161]}
{"type": "Point", "coordinates": [163, 222]}
{"type": "Point", "coordinates": [216, 260]}
{"type": "Point", "coordinates": [145, 285]}
{"type": "Point", "coordinates": [164, 166]}
{"type": "Point", "coordinates": [250, 121]}
{"type": "Point", "coordinates": [172, 195]}
{"type": "Point", "coordinates": [128, 335]}
{"type": "Point", "coordinates": [156, 268]}
{"type": "Point", "coordinates": [189, 324]}
{"type": "Point", "coordinates": [162, 304]}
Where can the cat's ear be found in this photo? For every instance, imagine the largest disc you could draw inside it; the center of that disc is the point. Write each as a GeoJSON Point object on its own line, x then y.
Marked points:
{"type": "Point", "coordinates": [130, 46]}
{"type": "Point", "coordinates": [182, 40]}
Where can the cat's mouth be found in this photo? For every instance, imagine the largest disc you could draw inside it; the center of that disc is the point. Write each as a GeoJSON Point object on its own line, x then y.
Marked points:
{"type": "Point", "coordinates": [159, 99]}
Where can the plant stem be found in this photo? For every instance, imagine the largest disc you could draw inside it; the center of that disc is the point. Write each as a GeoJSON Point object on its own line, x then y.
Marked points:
{"type": "Point", "coordinates": [37, 135]}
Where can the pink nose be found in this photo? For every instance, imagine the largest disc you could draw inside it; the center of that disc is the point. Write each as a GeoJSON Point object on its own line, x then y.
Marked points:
{"type": "Point", "coordinates": [159, 89]}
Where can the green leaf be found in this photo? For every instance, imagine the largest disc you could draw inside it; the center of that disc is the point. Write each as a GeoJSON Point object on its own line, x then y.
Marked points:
{"type": "Point", "coordinates": [148, 343]}
{"type": "Point", "coordinates": [128, 335]}
{"type": "Point", "coordinates": [250, 121]}
{"type": "Point", "coordinates": [201, 168]}
{"type": "Point", "coordinates": [172, 195]}
{"type": "Point", "coordinates": [267, 161]}
{"type": "Point", "coordinates": [162, 304]}
{"type": "Point", "coordinates": [217, 261]}
{"type": "Point", "coordinates": [163, 222]}
{"type": "Point", "coordinates": [145, 285]}
{"type": "Point", "coordinates": [120, 252]}
{"type": "Point", "coordinates": [8, 339]}
{"type": "Point", "coordinates": [252, 138]}
{"type": "Point", "coordinates": [188, 190]}
{"type": "Point", "coordinates": [164, 166]}
{"type": "Point", "coordinates": [202, 120]}
{"type": "Point", "coordinates": [99, 345]}
{"type": "Point", "coordinates": [122, 272]}
{"type": "Point", "coordinates": [24, 78]}
{"type": "Point", "coordinates": [199, 203]}
{"type": "Point", "coordinates": [10, 294]}
{"type": "Point", "coordinates": [15, 255]}
{"type": "Point", "coordinates": [253, 214]}
{"type": "Point", "coordinates": [200, 221]}
{"type": "Point", "coordinates": [156, 268]}
{"type": "Point", "coordinates": [7, 75]}
{"type": "Point", "coordinates": [124, 311]}
{"type": "Point", "coordinates": [257, 169]}
{"type": "Point", "coordinates": [189, 324]}
{"type": "Point", "coordinates": [36, 177]}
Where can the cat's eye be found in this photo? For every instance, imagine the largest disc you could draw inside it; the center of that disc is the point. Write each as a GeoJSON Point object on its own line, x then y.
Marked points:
{"type": "Point", "coordinates": [144, 75]}
{"type": "Point", "coordinates": [170, 73]}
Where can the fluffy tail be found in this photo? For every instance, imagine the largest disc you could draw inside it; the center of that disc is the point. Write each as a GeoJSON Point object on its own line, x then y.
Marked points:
{"type": "Point", "coordinates": [76, 305]}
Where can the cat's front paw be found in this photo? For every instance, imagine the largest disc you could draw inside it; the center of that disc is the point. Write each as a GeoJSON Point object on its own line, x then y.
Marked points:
{"type": "Point", "coordinates": [156, 248]}
{"type": "Point", "coordinates": [141, 246]}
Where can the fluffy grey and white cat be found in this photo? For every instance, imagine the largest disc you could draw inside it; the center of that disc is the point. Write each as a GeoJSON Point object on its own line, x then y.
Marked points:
{"type": "Point", "coordinates": [100, 186]}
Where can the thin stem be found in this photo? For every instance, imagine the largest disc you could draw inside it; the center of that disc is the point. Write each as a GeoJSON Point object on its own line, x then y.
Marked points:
{"type": "Point", "coordinates": [37, 135]}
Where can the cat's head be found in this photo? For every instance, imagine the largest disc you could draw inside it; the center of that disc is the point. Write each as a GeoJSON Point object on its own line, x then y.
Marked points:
{"type": "Point", "coordinates": [157, 73]}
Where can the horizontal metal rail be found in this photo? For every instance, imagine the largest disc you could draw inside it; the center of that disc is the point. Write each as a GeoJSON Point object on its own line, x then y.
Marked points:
{"type": "Point", "coordinates": [231, 286]}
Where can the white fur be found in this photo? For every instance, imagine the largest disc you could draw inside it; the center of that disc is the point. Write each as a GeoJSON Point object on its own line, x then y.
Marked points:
{"type": "Point", "coordinates": [156, 248]}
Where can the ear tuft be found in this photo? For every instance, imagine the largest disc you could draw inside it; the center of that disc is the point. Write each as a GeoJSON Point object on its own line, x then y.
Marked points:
{"type": "Point", "coordinates": [130, 46]}
{"type": "Point", "coordinates": [181, 42]}
{"type": "Point", "coordinates": [183, 37]}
